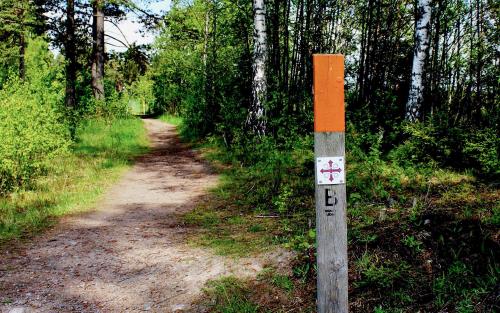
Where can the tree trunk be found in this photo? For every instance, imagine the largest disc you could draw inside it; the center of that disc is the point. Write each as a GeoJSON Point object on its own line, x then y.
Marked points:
{"type": "Point", "coordinates": [415, 95]}
{"type": "Point", "coordinates": [70, 64]}
{"type": "Point", "coordinates": [98, 50]}
{"type": "Point", "coordinates": [205, 42]}
{"type": "Point", "coordinates": [479, 57]}
{"type": "Point", "coordinates": [22, 52]}
{"type": "Point", "coordinates": [286, 48]}
{"type": "Point", "coordinates": [70, 55]}
{"type": "Point", "coordinates": [256, 115]}
{"type": "Point", "coordinates": [206, 74]}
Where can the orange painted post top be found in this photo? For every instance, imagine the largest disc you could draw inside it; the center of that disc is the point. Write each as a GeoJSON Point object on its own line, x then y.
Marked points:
{"type": "Point", "coordinates": [329, 111]}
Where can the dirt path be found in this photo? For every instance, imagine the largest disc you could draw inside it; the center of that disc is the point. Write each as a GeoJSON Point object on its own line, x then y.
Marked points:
{"type": "Point", "coordinates": [130, 255]}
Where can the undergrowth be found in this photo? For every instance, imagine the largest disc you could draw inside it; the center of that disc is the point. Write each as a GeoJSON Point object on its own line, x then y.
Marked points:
{"type": "Point", "coordinates": [230, 295]}
{"type": "Point", "coordinates": [411, 227]}
{"type": "Point", "coordinates": [171, 119]}
{"type": "Point", "coordinates": [73, 181]}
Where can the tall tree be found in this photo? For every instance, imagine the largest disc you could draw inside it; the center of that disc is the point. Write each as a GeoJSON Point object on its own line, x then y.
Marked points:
{"type": "Point", "coordinates": [22, 52]}
{"type": "Point", "coordinates": [98, 49]}
{"type": "Point", "coordinates": [415, 95]}
{"type": "Point", "coordinates": [17, 20]}
{"type": "Point", "coordinates": [70, 51]}
{"type": "Point", "coordinates": [256, 114]}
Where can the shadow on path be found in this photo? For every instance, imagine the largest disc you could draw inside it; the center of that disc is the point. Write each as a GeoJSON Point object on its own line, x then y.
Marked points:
{"type": "Point", "coordinates": [130, 254]}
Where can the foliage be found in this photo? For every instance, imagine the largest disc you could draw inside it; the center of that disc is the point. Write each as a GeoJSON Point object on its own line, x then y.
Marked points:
{"type": "Point", "coordinates": [482, 148]}
{"type": "Point", "coordinates": [32, 133]}
{"type": "Point", "coordinates": [140, 96]}
{"type": "Point", "coordinates": [127, 67]}
{"type": "Point", "coordinates": [17, 20]}
{"type": "Point", "coordinates": [42, 172]}
{"type": "Point", "coordinates": [74, 180]}
{"type": "Point", "coordinates": [394, 218]}
{"type": "Point", "coordinates": [32, 136]}
{"type": "Point", "coordinates": [197, 72]}
{"type": "Point", "coordinates": [432, 183]}
{"type": "Point", "coordinates": [202, 72]}
{"type": "Point", "coordinates": [115, 105]}
{"type": "Point", "coordinates": [428, 143]}
{"type": "Point", "coordinates": [172, 119]}
{"type": "Point", "coordinates": [282, 281]}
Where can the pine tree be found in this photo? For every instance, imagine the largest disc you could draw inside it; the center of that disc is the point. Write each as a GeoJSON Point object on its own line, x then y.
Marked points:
{"type": "Point", "coordinates": [98, 52]}
{"type": "Point", "coordinates": [17, 20]}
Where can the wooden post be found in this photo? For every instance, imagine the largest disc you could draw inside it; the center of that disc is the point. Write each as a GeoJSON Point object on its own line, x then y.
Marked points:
{"type": "Point", "coordinates": [329, 152]}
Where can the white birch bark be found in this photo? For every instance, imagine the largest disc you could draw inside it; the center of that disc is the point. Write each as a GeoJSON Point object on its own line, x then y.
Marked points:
{"type": "Point", "coordinates": [256, 115]}
{"type": "Point", "coordinates": [205, 43]}
{"type": "Point", "coordinates": [415, 95]}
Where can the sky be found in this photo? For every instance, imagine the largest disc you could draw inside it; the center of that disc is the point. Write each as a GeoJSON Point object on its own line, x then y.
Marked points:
{"type": "Point", "coordinates": [131, 28]}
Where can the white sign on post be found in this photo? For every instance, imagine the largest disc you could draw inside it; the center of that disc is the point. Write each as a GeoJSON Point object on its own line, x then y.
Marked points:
{"type": "Point", "coordinates": [330, 170]}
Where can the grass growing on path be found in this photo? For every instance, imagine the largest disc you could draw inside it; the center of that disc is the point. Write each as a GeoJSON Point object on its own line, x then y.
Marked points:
{"type": "Point", "coordinates": [171, 119]}
{"type": "Point", "coordinates": [230, 295]}
{"type": "Point", "coordinates": [220, 223]}
{"type": "Point", "coordinates": [102, 152]}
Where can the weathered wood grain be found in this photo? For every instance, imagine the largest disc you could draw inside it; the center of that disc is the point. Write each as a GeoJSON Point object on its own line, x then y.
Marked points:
{"type": "Point", "coordinates": [331, 231]}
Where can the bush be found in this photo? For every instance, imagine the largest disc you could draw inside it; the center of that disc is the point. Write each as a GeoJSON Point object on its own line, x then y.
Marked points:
{"type": "Point", "coordinates": [458, 147]}
{"type": "Point", "coordinates": [141, 99]}
{"type": "Point", "coordinates": [115, 104]}
{"type": "Point", "coordinates": [483, 149]}
{"type": "Point", "coordinates": [31, 124]}
{"type": "Point", "coordinates": [32, 134]}
{"type": "Point", "coordinates": [424, 144]}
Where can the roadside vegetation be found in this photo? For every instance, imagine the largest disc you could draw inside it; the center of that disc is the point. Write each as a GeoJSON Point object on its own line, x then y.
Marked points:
{"type": "Point", "coordinates": [423, 160]}
{"type": "Point", "coordinates": [44, 172]}
{"type": "Point", "coordinates": [422, 138]}
{"type": "Point", "coordinates": [420, 235]}
{"type": "Point", "coordinates": [73, 181]}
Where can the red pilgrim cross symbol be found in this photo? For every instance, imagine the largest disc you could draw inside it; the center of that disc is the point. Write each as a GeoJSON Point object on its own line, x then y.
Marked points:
{"type": "Point", "coordinates": [331, 170]}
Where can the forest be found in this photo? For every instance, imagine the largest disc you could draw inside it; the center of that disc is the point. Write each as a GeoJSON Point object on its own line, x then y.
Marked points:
{"type": "Point", "coordinates": [236, 78]}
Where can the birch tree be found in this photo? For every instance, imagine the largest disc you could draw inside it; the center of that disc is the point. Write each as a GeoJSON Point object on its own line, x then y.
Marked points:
{"type": "Point", "coordinates": [256, 115]}
{"type": "Point", "coordinates": [415, 95]}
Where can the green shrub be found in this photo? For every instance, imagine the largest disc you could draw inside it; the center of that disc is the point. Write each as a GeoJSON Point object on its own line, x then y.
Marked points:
{"type": "Point", "coordinates": [115, 106]}
{"type": "Point", "coordinates": [463, 147]}
{"type": "Point", "coordinates": [483, 149]}
{"type": "Point", "coordinates": [74, 180]}
{"type": "Point", "coordinates": [32, 134]}
{"type": "Point", "coordinates": [421, 146]}
{"type": "Point", "coordinates": [32, 129]}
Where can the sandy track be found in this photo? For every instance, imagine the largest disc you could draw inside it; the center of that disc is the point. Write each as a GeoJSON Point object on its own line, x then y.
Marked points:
{"type": "Point", "coordinates": [130, 254]}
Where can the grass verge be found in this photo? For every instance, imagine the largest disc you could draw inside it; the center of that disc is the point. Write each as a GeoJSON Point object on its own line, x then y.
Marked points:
{"type": "Point", "coordinates": [270, 292]}
{"type": "Point", "coordinates": [73, 183]}
{"type": "Point", "coordinates": [171, 119]}
{"type": "Point", "coordinates": [421, 238]}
